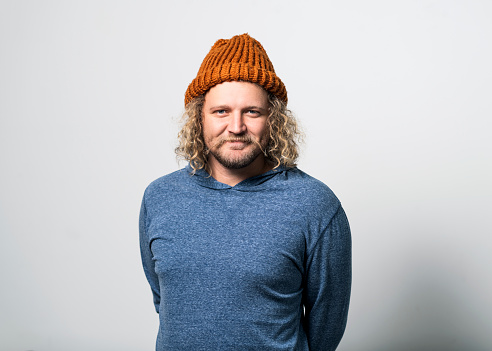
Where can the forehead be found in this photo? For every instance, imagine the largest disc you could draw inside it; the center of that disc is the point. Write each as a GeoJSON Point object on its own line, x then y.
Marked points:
{"type": "Point", "coordinates": [237, 93]}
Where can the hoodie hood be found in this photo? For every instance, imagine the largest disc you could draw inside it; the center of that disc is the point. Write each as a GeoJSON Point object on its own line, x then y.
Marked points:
{"type": "Point", "coordinates": [256, 183]}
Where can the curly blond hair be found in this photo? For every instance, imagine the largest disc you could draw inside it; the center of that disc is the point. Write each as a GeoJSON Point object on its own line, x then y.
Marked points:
{"type": "Point", "coordinates": [283, 141]}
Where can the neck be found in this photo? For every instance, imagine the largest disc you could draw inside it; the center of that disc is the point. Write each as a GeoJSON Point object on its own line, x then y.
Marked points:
{"type": "Point", "coordinates": [234, 176]}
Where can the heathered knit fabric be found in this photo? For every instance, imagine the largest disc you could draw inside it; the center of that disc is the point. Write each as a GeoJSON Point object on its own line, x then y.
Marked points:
{"type": "Point", "coordinates": [231, 267]}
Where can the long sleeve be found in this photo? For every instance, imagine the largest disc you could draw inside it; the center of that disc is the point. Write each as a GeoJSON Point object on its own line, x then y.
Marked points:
{"type": "Point", "coordinates": [147, 257]}
{"type": "Point", "coordinates": [327, 285]}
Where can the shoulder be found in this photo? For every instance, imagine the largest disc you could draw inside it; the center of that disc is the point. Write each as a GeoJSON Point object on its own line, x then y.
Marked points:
{"type": "Point", "coordinates": [323, 210]}
{"type": "Point", "coordinates": [166, 183]}
{"type": "Point", "coordinates": [307, 194]}
{"type": "Point", "coordinates": [309, 188]}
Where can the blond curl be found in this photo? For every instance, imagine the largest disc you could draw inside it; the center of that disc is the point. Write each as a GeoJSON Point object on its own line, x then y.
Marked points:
{"type": "Point", "coordinates": [283, 144]}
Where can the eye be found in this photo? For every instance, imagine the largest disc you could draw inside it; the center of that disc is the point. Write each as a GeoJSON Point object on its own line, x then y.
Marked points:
{"type": "Point", "coordinates": [253, 112]}
{"type": "Point", "coordinates": [220, 112]}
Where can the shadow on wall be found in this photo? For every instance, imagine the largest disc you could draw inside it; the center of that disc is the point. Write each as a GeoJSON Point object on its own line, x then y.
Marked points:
{"type": "Point", "coordinates": [435, 309]}
{"type": "Point", "coordinates": [433, 346]}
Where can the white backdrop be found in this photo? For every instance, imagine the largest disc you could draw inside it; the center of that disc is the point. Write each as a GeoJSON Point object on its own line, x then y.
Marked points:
{"type": "Point", "coordinates": [395, 100]}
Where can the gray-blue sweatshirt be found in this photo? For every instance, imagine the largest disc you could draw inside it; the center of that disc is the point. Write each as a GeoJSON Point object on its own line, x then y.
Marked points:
{"type": "Point", "coordinates": [262, 265]}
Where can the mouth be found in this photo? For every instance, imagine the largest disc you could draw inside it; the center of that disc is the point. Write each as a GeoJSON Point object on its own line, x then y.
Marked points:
{"type": "Point", "coordinates": [235, 141]}
{"type": "Point", "coordinates": [237, 144]}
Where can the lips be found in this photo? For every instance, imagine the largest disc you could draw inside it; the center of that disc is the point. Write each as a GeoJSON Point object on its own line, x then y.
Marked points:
{"type": "Point", "coordinates": [236, 140]}
{"type": "Point", "coordinates": [237, 144]}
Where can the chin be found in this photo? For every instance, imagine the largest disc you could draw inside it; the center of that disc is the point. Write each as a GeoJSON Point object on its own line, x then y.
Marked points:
{"type": "Point", "coordinates": [237, 162]}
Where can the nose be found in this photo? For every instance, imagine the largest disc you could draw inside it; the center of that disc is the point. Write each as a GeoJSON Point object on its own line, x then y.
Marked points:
{"type": "Point", "coordinates": [236, 123]}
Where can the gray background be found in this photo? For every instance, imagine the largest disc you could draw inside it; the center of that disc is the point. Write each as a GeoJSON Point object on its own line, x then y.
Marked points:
{"type": "Point", "coordinates": [394, 97]}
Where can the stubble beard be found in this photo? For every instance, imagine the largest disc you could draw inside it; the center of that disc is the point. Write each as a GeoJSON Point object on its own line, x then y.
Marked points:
{"type": "Point", "coordinates": [241, 161]}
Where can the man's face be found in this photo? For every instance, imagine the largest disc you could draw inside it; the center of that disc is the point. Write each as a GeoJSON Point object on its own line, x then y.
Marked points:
{"type": "Point", "coordinates": [234, 121]}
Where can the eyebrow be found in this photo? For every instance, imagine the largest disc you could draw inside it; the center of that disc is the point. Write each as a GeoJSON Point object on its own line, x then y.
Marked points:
{"type": "Point", "coordinates": [226, 107]}
{"type": "Point", "coordinates": [219, 107]}
{"type": "Point", "coordinates": [253, 107]}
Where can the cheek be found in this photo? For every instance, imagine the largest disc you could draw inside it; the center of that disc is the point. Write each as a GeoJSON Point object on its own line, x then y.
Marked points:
{"type": "Point", "coordinates": [209, 129]}
{"type": "Point", "coordinates": [262, 130]}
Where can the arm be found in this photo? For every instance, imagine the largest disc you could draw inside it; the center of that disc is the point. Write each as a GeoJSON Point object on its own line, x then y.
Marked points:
{"type": "Point", "coordinates": [328, 282]}
{"type": "Point", "coordinates": [147, 257]}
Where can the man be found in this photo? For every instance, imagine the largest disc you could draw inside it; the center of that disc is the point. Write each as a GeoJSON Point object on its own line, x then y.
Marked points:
{"type": "Point", "coordinates": [242, 250]}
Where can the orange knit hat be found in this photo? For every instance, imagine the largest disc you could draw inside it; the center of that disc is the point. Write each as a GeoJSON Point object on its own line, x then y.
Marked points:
{"type": "Point", "coordinates": [239, 58]}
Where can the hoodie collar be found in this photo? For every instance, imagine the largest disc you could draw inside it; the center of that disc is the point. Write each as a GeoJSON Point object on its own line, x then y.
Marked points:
{"type": "Point", "coordinates": [256, 183]}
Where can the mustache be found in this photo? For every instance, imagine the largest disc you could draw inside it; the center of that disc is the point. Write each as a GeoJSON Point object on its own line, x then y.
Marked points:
{"type": "Point", "coordinates": [242, 138]}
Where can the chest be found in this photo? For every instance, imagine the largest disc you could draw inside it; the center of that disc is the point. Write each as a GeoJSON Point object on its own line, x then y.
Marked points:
{"type": "Point", "coordinates": [235, 244]}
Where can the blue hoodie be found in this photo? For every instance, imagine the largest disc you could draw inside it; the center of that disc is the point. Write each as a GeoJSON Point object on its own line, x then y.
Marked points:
{"type": "Point", "coordinates": [262, 265]}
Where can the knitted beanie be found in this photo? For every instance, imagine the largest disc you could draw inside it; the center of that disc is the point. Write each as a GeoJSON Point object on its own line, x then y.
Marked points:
{"type": "Point", "coordinates": [239, 58]}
